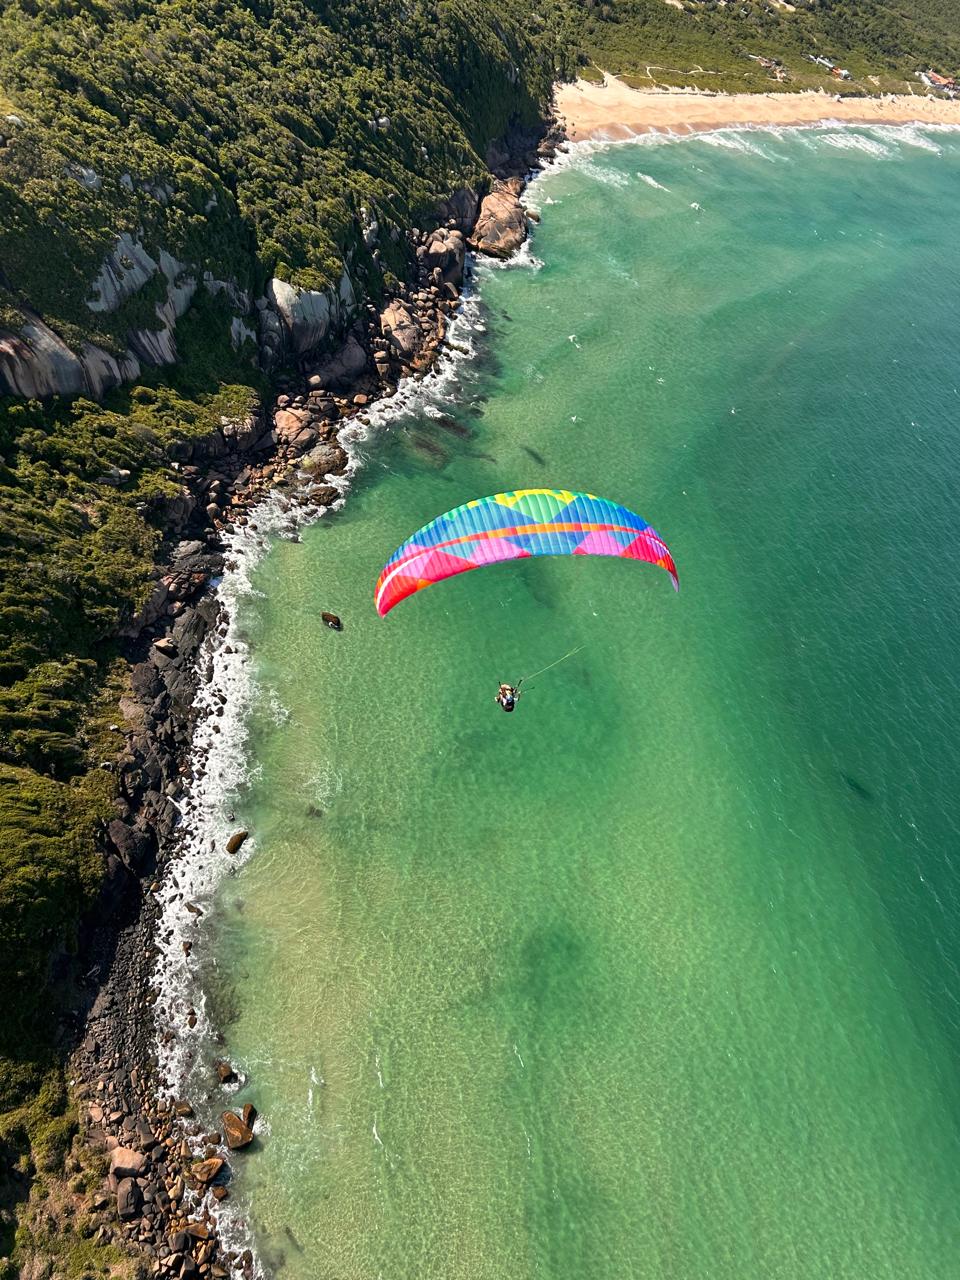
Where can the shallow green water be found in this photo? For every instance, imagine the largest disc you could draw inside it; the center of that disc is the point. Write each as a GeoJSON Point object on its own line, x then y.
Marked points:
{"type": "Point", "coordinates": [656, 978]}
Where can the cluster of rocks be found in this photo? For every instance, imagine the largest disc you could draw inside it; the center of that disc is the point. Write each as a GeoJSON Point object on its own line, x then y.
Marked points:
{"type": "Point", "coordinates": [161, 1168]}
{"type": "Point", "coordinates": [159, 1196]}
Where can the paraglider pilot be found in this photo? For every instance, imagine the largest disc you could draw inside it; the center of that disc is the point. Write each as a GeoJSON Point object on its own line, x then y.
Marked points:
{"type": "Point", "coordinates": [508, 696]}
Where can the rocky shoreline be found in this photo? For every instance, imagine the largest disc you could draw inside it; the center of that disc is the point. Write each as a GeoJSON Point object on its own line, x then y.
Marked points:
{"type": "Point", "coordinates": [166, 1175]}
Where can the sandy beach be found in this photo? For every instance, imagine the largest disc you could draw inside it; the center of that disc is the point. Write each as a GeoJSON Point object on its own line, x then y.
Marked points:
{"type": "Point", "coordinates": [613, 110]}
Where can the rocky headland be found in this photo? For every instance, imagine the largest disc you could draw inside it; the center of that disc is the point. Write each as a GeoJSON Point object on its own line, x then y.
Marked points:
{"type": "Point", "coordinates": [164, 1175]}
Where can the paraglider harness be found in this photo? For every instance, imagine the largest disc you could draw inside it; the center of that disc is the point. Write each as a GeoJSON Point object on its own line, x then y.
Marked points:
{"type": "Point", "coordinates": [509, 695]}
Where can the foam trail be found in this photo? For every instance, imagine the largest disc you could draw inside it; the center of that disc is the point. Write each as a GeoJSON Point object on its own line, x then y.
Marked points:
{"type": "Point", "coordinates": [226, 697]}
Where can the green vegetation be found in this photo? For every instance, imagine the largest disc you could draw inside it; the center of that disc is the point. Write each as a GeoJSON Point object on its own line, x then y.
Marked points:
{"type": "Point", "coordinates": [705, 43]}
{"type": "Point", "coordinates": [77, 554]}
{"type": "Point", "coordinates": [244, 138]}
{"type": "Point", "coordinates": [247, 138]}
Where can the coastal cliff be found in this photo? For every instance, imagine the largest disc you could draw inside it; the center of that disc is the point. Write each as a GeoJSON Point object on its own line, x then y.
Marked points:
{"type": "Point", "coordinates": [275, 162]}
{"type": "Point", "coordinates": [212, 255]}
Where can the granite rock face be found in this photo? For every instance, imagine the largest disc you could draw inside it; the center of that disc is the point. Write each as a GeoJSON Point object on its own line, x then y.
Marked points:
{"type": "Point", "coordinates": [502, 223]}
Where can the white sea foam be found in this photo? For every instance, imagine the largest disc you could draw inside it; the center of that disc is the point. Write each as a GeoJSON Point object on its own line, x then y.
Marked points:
{"type": "Point", "coordinates": [651, 182]}
{"type": "Point", "coordinates": [223, 770]}
{"type": "Point", "coordinates": [732, 140]}
{"type": "Point", "coordinates": [877, 140]}
{"type": "Point", "coordinates": [853, 141]}
{"type": "Point", "coordinates": [523, 259]}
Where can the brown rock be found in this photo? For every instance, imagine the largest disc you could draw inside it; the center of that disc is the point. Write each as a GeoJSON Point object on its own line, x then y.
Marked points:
{"type": "Point", "coordinates": [290, 422]}
{"type": "Point", "coordinates": [236, 840]}
{"type": "Point", "coordinates": [237, 1133]}
{"type": "Point", "coordinates": [332, 621]}
{"type": "Point", "coordinates": [225, 1073]}
{"type": "Point", "coordinates": [249, 1114]}
{"type": "Point", "coordinates": [205, 1171]}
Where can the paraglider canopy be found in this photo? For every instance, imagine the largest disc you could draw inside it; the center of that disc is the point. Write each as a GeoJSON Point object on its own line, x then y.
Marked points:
{"type": "Point", "coordinates": [511, 526]}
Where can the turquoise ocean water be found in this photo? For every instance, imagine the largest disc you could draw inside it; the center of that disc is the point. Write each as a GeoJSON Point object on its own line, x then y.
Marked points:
{"type": "Point", "coordinates": [657, 978]}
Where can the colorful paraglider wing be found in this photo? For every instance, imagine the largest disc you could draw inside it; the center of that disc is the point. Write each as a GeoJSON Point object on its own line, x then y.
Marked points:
{"type": "Point", "coordinates": [510, 526]}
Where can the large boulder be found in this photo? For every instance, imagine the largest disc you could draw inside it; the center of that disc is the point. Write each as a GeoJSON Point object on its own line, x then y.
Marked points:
{"type": "Point", "coordinates": [341, 368]}
{"type": "Point", "coordinates": [129, 1199]}
{"type": "Point", "coordinates": [502, 225]}
{"type": "Point", "coordinates": [290, 422]}
{"type": "Point", "coordinates": [445, 249]}
{"type": "Point", "coordinates": [327, 458]}
{"type": "Point", "coordinates": [236, 1133]}
{"type": "Point", "coordinates": [205, 1171]}
{"type": "Point", "coordinates": [126, 1163]}
{"type": "Point", "coordinates": [401, 331]}
{"type": "Point", "coordinates": [309, 315]}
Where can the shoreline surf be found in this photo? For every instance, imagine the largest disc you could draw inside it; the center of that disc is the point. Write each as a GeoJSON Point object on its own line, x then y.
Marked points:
{"type": "Point", "coordinates": [221, 754]}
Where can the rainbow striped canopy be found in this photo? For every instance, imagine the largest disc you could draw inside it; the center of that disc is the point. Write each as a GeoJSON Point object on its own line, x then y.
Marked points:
{"type": "Point", "coordinates": [510, 526]}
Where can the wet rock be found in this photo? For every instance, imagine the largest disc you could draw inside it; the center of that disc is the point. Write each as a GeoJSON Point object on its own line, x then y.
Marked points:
{"type": "Point", "coordinates": [205, 1171]}
{"type": "Point", "coordinates": [332, 621]}
{"type": "Point", "coordinates": [328, 459]}
{"type": "Point", "coordinates": [249, 1114]}
{"type": "Point", "coordinates": [237, 1134]}
{"type": "Point", "coordinates": [236, 840]}
{"type": "Point", "coordinates": [225, 1073]}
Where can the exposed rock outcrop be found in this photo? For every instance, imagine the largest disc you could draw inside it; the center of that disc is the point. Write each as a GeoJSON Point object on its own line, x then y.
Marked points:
{"type": "Point", "coordinates": [444, 251]}
{"type": "Point", "coordinates": [502, 224]}
{"type": "Point", "coordinates": [400, 330]}
{"type": "Point", "coordinates": [36, 363]}
{"type": "Point", "coordinates": [308, 316]}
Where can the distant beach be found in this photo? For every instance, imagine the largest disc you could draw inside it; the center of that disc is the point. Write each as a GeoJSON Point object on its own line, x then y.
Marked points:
{"type": "Point", "coordinates": [614, 111]}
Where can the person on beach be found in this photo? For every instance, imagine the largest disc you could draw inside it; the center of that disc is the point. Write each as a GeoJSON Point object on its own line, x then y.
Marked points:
{"type": "Point", "coordinates": [508, 696]}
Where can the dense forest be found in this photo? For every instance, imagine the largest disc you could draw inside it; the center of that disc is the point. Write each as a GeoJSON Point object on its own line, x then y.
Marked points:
{"type": "Point", "coordinates": [706, 43]}
{"type": "Point", "coordinates": [248, 139]}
